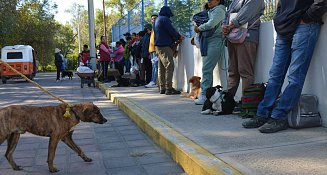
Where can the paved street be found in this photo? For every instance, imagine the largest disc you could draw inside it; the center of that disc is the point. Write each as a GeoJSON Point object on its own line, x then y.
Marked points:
{"type": "Point", "coordinates": [117, 147]}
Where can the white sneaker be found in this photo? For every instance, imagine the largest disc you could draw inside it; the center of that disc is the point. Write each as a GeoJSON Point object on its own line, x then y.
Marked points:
{"type": "Point", "coordinates": [57, 81]}
{"type": "Point", "coordinates": [200, 100]}
{"type": "Point", "coordinates": [151, 85]}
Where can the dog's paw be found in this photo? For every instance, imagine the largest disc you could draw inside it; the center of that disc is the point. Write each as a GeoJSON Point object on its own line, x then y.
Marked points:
{"type": "Point", "coordinates": [217, 112]}
{"type": "Point", "coordinates": [53, 169]}
{"type": "Point", "coordinates": [17, 168]}
{"type": "Point", "coordinates": [86, 159]}
{"type": "Point", "coordinates": [206, 112]}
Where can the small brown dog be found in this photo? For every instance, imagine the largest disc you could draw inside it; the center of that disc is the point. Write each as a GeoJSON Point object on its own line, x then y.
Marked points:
{"type": "Point", "coordinates": [195, 88]}
{"type": "Point", "coordinates": [46, 121]}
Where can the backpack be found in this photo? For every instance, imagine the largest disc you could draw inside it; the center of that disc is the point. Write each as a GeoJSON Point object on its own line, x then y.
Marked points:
{"type": "Point", "coordinates": [305, 114]}
{"type": "Point", "coordinates": [251, 98]}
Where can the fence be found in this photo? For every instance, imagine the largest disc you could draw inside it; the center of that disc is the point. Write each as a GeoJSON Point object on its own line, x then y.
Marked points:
{"type": "Point", "coordinates": [135, 18]}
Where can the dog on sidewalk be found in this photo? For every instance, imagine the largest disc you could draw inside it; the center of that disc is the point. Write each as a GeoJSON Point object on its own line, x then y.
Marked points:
{"type": "Point", "coordinates": [218, 102]}
{"type": "Point", "coordinates": [195, 88]}
{"type": "Point", "coordinates": [67, 73]}
{"type": "Point", "coordinates": [46, 121]}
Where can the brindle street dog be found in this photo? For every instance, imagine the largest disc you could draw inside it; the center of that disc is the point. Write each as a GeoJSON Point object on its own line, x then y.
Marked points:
{"type": "Point", "coordinates": [46, 121]}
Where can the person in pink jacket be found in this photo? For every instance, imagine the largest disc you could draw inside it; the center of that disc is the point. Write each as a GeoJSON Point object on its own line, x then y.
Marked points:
{"type": "Point", "coordinates": [104, 57]}
{"type": "Point", "coordinates": [119, 57]}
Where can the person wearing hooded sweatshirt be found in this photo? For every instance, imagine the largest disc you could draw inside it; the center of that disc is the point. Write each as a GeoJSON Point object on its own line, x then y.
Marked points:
{"type": "Point", "coordinates": [165, 35]}
{"type": "Point", "coordinates": [215, 48]}
{"type": "Point", "coordinates": [297, 23]}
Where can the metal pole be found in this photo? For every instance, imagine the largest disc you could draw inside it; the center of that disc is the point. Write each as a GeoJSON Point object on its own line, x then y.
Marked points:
{"type": "Point", "coordinates": [142, 14]}
{"type": "Point", "coordinates": [129, 21]}
{"type": "Point", "coordinates": [104, 19]}
{"type": "Point", "coordinates": [79, 32]}
{"type": "Point", "coordinates": [91, 33]}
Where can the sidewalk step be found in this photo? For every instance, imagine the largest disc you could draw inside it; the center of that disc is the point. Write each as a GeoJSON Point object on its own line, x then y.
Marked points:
{"type": "Point", "coordinates": [194, 159]}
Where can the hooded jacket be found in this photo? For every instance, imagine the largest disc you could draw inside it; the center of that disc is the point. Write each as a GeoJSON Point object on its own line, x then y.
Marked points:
{"type": "Point", "coordinates": [290, 12]}
{"type": "Point", "coordinates": [164, 32]}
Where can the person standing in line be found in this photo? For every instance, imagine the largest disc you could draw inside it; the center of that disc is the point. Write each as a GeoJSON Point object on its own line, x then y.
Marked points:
{"type": "Point", "coordinates": [145, 53]}
{"type": "Point", "coordinates": [297, 24]}
{"type": "Point", "coordinates": [58, 63]}
{"type": "Point", "coordinates": [154, 57]}
{"type": "Point", "coordinates": [214, 46]}
{"type": "Point", "coordinates": [104, 57]}
{"type": "Point", "coordinates": [242, 56]}
{"type": "Point", "coordinates": [165, 36]}
{"type": "Point", "coordinates": [127, 55]}
{"type": "Point", "coordinates": [119, 57]}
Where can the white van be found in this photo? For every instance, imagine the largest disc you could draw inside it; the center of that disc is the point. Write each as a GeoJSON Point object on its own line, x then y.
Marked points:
{"type": "Point", "coordinates": [20, 57]}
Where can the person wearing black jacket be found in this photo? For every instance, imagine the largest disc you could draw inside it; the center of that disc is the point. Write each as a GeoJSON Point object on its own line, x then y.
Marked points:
{"type": "Point", "coordinates": [297, 23]}
{"type": "Point", "coordinates": [58, 63]}
{"type": "Point", "coordinates": [165, 35]}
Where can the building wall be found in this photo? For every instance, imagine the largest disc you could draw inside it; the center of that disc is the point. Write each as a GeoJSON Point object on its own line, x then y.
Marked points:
{"type": "Point", "coordinates": [189, 63]}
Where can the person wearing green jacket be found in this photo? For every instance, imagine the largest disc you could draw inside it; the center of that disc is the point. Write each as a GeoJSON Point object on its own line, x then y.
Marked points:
{"type": "Point", "coordinates": [127, 55]}
{"type": "Point", "coordinates": [215, 47]}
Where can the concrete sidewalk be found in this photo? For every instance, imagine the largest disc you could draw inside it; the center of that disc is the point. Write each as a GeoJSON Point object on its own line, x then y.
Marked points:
{"type": "Point", "coordinates": [218, 144]}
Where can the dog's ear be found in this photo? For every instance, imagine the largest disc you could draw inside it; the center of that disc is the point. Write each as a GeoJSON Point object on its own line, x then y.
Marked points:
{"type": "Point", "coordinates": [199, 78]}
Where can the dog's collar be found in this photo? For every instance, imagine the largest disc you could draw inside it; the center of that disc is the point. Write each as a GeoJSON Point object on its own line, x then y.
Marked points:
{"type": "Point", "coordinates": [216, 96]}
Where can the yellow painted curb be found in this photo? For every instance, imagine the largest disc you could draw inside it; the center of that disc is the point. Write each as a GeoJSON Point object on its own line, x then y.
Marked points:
{"type": "Point", "coordinates": [194, 159]}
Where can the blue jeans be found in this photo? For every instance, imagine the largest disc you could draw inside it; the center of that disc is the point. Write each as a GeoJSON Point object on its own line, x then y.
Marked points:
{"type": "Point", "coordinates": [293, 54]}
{"type": "Point", "coordinates": [154, 68]}
{"type": "Point", "coordinates": [127, 65]}
{"type": "Point", "coordinates": [104, 68]}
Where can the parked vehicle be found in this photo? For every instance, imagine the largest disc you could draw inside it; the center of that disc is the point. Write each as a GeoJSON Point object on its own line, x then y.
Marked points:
{"type": "Point", "coordinates": [20, 57]}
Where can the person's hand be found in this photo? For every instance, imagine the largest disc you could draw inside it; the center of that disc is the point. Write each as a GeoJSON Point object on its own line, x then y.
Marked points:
{"type": "Point", "coordinates": [196, 29]}
{"type": "Point", "coordinates": [231, 25]}
{"type": "Point", "coordinates": [225, 29]}
{"type": "Point", "coordinates": [302, 22]}
{"type": "Point", "coordinates": [181, 38]}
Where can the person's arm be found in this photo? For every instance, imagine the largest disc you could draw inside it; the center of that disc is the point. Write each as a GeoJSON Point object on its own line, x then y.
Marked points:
{"type": "Point", "coordinates": [104, 48]}
{"type": "Point", "coordinates": [215, 18]}
{"type": "Point", "coordinates": [250, 9]}
{"type": "Point", "coordinates": [316, 10]}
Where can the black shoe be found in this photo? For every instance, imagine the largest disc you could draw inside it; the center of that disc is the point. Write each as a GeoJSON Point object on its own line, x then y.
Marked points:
{"type": "Point", "coordinates": [255, 122]}
{"type": "Point", "coordinates": [172, 91]}
{"type": "Point", "coordinates": [163, 91]}
{"type": "Point", "coordinates": [274, 125]}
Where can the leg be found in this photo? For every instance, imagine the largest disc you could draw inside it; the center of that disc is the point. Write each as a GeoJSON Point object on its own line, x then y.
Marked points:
{"type": "Point", "coordinates": [209, 63]}
{"type": "Point", "coordinates": [277, 73]}
{"type": "Point", "coordinates": [247, 54]}
{"type": "Point", "coordinates": [12, 143]}
{"type": "Point", "coordinates": [304, 41]}
{"type": "Point", "coordinates": [53, 142]}
{"type": "Point", "coordinates": [148, 70]}
{"type": "Point", "coordinates": [161, 70]}
{"type": "Point", "coordinates": [167, 60]}
{"type": "Point", "coordinates": [58, 72]}
{"type": "Point", "coordinates": [233, 75]}
{"type": "Point", "coordinates": [68, 140]}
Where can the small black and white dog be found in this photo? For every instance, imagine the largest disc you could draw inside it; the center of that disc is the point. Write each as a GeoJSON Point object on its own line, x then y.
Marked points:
{"type": "Point", "coordinates": [218, 102]}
